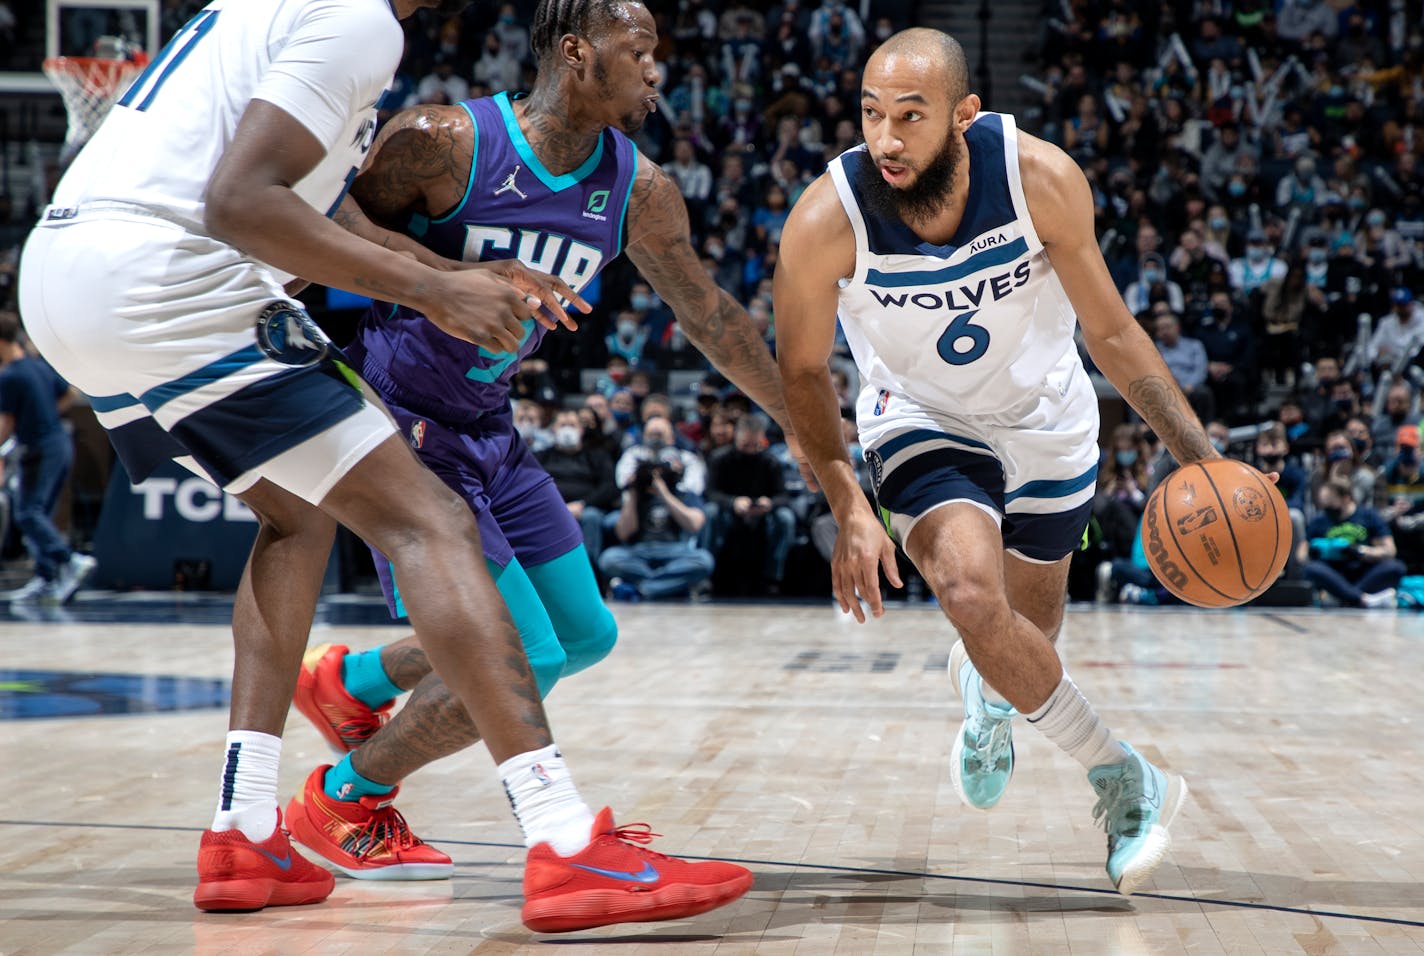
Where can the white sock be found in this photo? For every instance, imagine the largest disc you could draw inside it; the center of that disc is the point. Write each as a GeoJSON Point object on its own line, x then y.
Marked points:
{"type": "Point", "coordinates": [546, 803]}
{"type": "Point", "coordinates": [247, 800]}
{"type": "Point", "coordinates": [1068, 720]}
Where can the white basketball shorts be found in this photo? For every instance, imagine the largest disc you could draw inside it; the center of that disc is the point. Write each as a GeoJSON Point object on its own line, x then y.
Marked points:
{"type": "Point", "coordinates": [188, 350]}
{"type": "Point", "coordinates": [1033, 470]}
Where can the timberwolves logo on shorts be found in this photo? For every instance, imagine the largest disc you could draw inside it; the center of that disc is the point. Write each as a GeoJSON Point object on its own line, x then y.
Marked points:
{"type": "Point", "coordinates": [877, 468]}
{"type": "Point", "coordinates": [286, 334]}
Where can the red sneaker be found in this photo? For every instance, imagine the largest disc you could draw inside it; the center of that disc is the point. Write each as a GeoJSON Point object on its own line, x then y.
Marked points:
{"type": "Point", "coordinates": [367, 839]}
{"type": "Point", "coordinates": [236, 874]}
{"type": "Point", "coordinates": [344, 721]}
{"type": "Point", "coordinates": [613, 881]}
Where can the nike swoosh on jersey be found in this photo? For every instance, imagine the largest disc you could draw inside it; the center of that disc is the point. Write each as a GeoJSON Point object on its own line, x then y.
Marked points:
{"type": "Point", "coordinates": [283, 862]}
{"type": "Point", "coordinates": [646, 875]}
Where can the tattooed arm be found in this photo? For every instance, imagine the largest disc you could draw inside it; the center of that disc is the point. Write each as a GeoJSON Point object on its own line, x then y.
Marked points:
{"type": "Point", "coordinates": [350, 217]}
{"type": "Point", "coordinates": [1062, 209]}
{"type": "Point", "coordinates": [420, 163]}
{"type": "Point", "coordinates": [660, 245]}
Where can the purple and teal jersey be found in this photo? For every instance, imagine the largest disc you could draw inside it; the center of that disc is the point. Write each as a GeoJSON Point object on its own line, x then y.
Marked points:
{"type": "Point", "coordinates": [570, 225]}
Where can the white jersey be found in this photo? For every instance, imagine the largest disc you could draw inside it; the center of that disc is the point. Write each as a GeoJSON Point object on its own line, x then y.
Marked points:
{"type": "Point", "coordinates": [324, 62]}
{"type": "Point", "coordinates": [974, 327]}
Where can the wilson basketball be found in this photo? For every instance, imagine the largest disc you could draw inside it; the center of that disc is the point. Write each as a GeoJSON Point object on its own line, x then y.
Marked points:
{"type": "Point", "coordinates": [1216, 533]}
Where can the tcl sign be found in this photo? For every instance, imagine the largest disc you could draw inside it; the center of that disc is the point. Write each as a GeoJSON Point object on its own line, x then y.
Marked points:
{"type": "Point", "coordinates": [155, 533]}
{"type": "Point", "coordinates": [194, 499]}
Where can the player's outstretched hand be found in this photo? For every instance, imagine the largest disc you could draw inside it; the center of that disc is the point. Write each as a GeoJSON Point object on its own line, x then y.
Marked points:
{"type": "Point", "coordinates": [479, 306]}
{"type": "Point", "coordinates": [543, 289]}
{"type": "Point", "coordinates": [862, 549]}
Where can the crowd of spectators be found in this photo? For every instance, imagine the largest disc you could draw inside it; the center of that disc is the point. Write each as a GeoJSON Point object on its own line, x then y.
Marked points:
{"type": "Point", "coordinates": [1256, 172]}
{"type": "Point", "coordinates": [1259, 194]}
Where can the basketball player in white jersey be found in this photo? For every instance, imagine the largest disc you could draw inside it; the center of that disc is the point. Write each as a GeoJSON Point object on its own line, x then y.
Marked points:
{"type": "Point", "coordinates": [155, 283]}
{"type": "Point", "coordinates": [957, 253]}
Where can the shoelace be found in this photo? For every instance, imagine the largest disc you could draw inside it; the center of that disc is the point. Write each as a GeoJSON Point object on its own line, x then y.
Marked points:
{"type": "Point", "coordinates": [359, 728]}
{"type": "Point", "coordinates": [637, 833]}
{"type": "Point", "coordinates": [1116, 811]}
{"type": "Point", "coordinates": [385, 826]}
{"type": "Point", "coordinates": [990, 751]}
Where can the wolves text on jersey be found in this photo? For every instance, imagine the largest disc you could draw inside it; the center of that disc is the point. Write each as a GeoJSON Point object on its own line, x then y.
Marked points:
{"type": "Point", "coordinates": [956, 298]}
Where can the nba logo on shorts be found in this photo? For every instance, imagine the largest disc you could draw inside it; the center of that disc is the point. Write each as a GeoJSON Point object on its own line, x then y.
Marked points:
{"type": "Point", "coordinates": [881, 401]}
{"type": "Point", "coordinates": [286, 334]}
{"type": "Point", "coordinates": [417, 434]}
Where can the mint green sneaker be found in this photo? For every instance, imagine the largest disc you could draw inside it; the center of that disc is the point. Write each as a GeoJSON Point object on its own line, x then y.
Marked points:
{"type": "Point", "coordinates": [983, 757]}
{"type": "Point", "coordinates": [1136, 803]}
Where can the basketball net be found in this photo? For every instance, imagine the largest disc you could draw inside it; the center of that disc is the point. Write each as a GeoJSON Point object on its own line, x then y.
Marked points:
{"type": "Point", "coordinates": [89, 86]}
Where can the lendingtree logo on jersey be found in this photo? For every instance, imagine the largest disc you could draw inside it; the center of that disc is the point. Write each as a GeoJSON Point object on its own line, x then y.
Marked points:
{"type": "Point", "coordinates": [597, 202]}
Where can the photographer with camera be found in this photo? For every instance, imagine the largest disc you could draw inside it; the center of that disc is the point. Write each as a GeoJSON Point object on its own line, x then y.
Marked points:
{"type": "Point", "coordinates": [1348, 550]}
{"type": "Point", "coordinates": [657, 554]}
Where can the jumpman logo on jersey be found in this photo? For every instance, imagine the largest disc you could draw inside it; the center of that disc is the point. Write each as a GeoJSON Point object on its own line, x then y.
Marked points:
{"type": "Point", "coordinates": [508, 185]}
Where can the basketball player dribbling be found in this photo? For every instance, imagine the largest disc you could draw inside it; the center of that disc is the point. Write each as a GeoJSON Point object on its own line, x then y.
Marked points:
{"type": "Point", "coordinates": [956, 253]}
{"type": "Point", "coordinates": [155, 284]}
{"type": "Point", "coordinates": [550, 178]}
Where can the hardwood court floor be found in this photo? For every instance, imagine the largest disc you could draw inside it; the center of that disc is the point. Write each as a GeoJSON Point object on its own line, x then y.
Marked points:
{"type": "Point", "coordinates": [814, 751]}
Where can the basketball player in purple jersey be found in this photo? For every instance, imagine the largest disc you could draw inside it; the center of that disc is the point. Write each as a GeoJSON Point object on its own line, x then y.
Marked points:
{"type": "Point", "coordinates": [552, 180]}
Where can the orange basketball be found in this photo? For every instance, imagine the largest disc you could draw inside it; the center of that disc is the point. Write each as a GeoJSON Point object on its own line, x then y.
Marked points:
{"type": "Point", "coordinates": [1216, 533]}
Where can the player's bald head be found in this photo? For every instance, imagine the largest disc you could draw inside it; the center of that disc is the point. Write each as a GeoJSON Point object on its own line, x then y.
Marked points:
{"type": "Point", "coordinates": [921, 55]}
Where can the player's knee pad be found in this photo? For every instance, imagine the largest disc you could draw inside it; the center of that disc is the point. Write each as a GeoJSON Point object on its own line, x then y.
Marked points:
{"type": "Point", "coordinates": [591, 643]}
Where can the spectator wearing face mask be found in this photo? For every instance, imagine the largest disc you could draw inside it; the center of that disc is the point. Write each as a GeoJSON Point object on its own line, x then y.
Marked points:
{"type": "Point", "coordinates": [1186, 360]}
{"type": "Point", "coordinates": [529, 423]}
{"type": "Point", "coordinates": [1231, 358]}
{"type": "Point", "coordinates": [1299, 19]}
{"type": "Point", "coordinates": [1315, 392]}
{"type": "Point", "coordinates": [1348, 550]}
{"type": "Point", "coordinates": [1357, 429]}
{"type": "Point", "coordinates": [1339, 461]}
{"type": "Point", "coordinates": [1404, 490]}
{"type": "Point", "coordinates": [1397, 407]}
{"type": "Point", "coordinates": [1123, 486]}
{"type": "Point", "coordinates": [1153, 286]}
{"type": "Point", "coordinates": [1258, 266]}
{"type": "Point", "coordinates": [1399, 333]}
{"type": "Point", "coordinates": [513, 37]}
{"type": "Point", "coordinates": [1301, 187]}
{"type": "Point", "coordinates": [656, 554]}
{"type": "Point", "coordinates": [752, 523]}
{"type": "Point", "coordinates": [652, 315]}
{"type": "Point", "coordinates": [1290, 306]}
{"type": "Point", "coordinates": [622, 409]}
{"type": "Point", "coordinates": [629, 339]}
{"type": "Point", "coordinates": [584, 476]}
{"type": "Point", "coordinates": [1273, 454]}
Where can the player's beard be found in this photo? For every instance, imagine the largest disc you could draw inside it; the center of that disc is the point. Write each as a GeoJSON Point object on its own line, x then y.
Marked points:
{"type": "Point", "coordinates": [923, 199]}
{"type": "Point", "coordinates": [628, 123]}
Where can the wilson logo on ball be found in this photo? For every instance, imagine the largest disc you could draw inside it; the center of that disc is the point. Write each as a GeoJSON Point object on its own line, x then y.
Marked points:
{"type": "Point", "coordinates": [1165, 566]}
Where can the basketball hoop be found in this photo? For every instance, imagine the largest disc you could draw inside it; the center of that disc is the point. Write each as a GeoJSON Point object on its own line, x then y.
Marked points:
{"type": "Point", "coordinates": [89, 86]}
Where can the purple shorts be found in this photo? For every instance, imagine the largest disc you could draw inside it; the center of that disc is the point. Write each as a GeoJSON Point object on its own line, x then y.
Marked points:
{"type": "Point", "coordinates": [519, 509]}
